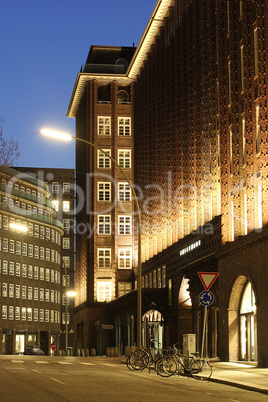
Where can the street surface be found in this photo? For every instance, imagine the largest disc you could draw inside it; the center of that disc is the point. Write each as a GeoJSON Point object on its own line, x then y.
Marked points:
{"type": "Point", "coordinates": [43, 378]}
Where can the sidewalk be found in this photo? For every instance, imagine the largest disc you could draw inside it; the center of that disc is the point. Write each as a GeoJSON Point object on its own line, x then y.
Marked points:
{"type": "Point", "coordinates": [240, 375]}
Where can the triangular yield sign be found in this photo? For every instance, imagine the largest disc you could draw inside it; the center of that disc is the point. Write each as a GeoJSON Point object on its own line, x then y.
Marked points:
{"type": "Point", "coordinates": [208, 278]}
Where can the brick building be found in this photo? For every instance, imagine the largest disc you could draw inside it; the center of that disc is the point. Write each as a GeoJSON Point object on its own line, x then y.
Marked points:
{"type": "Point", "coordinates": [198, 91]}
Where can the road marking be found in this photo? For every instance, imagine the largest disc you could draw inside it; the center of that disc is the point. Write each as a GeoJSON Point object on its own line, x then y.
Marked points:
{"type": "Point", "coordinates": [89, 364]}
{"type": "Point", "coordinates": [36, 371]}
{"type": "Point", "coordinates": [64, 363]}
{"type": "Point", "coordinates": [17, 361]}
{"type": "Point", "coordinates": [108, 364]}
{"type": "Point", "coordinates": [40, 362]}
{"type": "Point", "coordinates": [60, 382]}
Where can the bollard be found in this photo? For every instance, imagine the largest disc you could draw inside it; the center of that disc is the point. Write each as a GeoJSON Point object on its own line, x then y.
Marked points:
{"type": "Point", "coordinates": [132, 349]}
{"type": "Point", "coordinates": [127, 351]}
{"type": "Point", "coordinates": [82, 353]}
{"type": "Point", "coordinates": [116, 352]}
{"type": "Point", "coordinates": [108, 352]}
{"type": "Point", "coordinates": [77, 352]}
{"type": "Point", "coordinates": [112, 352]}
{"type": "Point", "coordinates": [93, 352]}
{"type": "Point", "coordinates": [86, 352]}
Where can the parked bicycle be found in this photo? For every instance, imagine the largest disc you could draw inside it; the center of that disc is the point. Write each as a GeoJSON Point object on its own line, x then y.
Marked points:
{"type": "Point", "coordinates": [199, 369]}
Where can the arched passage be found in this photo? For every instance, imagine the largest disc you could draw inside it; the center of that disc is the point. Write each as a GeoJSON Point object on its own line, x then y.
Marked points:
{"type": "Point", "coordinates": [242, 321]}
{"type": "Point", "coordinates": [153, 329]}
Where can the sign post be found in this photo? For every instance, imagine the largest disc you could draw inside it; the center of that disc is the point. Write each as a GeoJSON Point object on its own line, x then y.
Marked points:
{"type": "Point", "coordinates": [206, 298]}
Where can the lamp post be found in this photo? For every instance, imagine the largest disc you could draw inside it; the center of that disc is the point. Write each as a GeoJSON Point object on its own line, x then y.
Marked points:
{"type": "Point", "coordinates": [68, 137]}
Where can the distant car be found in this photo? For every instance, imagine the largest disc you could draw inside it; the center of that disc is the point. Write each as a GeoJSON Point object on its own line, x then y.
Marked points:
{"type": "Point", "coordinates": [33, 350]}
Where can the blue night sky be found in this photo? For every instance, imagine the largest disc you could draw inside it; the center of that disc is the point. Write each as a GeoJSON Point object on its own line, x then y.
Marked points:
{"type": "Point", "coordinates": [43, 45]}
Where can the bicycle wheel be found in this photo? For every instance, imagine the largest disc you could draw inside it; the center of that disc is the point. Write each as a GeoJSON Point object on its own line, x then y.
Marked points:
{"type": "Point", "coordinates": [137, 360]}
{"type": "Point", "coordinates": [128, 363]}
{"type": "Point", "coordinates": [166, 367]}
{"type": "Point", "coordinates": [201, 370]}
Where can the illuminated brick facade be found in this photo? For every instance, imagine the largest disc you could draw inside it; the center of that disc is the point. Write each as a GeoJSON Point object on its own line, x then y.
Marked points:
{"type": "Point", "coordinates": [200, 143]}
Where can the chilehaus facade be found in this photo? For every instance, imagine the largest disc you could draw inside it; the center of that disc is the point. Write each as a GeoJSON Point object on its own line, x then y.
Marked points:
{"type": "Point", "coordinates": [185, 116]}
{"type": "Point", "coordinates": [30, 264]}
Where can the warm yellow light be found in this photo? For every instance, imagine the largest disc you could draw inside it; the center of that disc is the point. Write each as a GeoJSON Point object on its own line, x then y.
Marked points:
{"type": "Point", "coordinates": [56, 134]}
{"type": "Point", "coordinates": [16, 226]}
{"type": "Point", "coordinates": [71, 294]}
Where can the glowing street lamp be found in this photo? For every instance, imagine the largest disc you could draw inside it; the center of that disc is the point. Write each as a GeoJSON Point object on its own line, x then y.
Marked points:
{"type": "Point", "coordinates": [68, 137]}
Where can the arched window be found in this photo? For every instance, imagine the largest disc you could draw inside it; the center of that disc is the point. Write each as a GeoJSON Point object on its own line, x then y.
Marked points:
{"type": "Point", "coordinates": [248, 324]}
{"type": "Point", "coordinates": [123, 97]}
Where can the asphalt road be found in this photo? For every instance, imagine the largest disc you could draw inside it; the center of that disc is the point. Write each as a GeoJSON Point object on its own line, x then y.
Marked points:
{"type": "Point", "coordinates": [31, 378]}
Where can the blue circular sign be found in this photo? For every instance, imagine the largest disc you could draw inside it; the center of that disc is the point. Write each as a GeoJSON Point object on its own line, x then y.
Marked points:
{"type": "Point", "coordinates": [206, 298]}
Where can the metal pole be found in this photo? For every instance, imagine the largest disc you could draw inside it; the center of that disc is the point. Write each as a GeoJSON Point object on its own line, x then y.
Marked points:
{"type": "Point", "coordinates": [139, 272]}
{"type": "Point", "coordinates": [204, 330]}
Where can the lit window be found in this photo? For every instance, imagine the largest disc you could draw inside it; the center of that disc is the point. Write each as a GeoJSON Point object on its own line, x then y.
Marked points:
{"type": "Point", "coordinates": [104, 191]}
{"type": "Point", "coordinates": [55, 204]}
{"type": "Point", "coordinates": [104, 125]}
{"type": "Point", "coordinates": [124, 258]}
{"type": "Point", "coordinates": [66, 260]}
{"type": "Point", "coordinates": [66, 206]}
{"type": "Point", "coordinates": [17, 269]}
{"type": "Point", "coordinates": [30, 271]}
{"type": "Point", "coordinates": [17, 292]}
{"type": "Point", "coordinates": [124, 127]}
{"type": "Point", "coordinates": [11, 268]}
{"type": "Point", "coordinates": [4, 289]}
{"type": "Point", "coordinates": [104, 224]}
{"type": "Point", "coordinates": [35, 314]}
{"type": "Point", "coordinates": [104, 258]}
{"type": "Point", "coordinates": [4, 312]}
{"type": "Point", "coordinates": [41, 294]}
{"type": "Point", "coordinates": [5, 267]}
{"type": "Point", "coordinates": [124, 288]}
{"type": "Point", "coordinates": [41, 315]}
{"type": "Point", "coordinates": [11, 290]}
{"type": "Point", "coordinates": [124, 158]}
{"type": "Point", "coordinates": [23, 292]}
{"type": "Point", "coordinates": [103, 159]}
{"type": "Point", "coordinates": [11, 246]}
{"type": "Point", "coordinates": [30, 293]}
{"type": "Point", "coordinates": [11, 313]}
{"type": "Point", "coordinates": [124, 225]}
{"type": "Point", "coordinates": [17, 313]}
{"type": "Point", "coordinates": [124, 192]}
{"type": "Point", "coordinates": [29, 314]}
{"type": "Point", "coordinates": [104, 291]}
{"type": "Point", "coordinates": [65, 243]}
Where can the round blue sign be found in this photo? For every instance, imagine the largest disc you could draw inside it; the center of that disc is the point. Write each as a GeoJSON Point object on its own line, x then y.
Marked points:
{"type": "Point", "coordinates": [206, 298]}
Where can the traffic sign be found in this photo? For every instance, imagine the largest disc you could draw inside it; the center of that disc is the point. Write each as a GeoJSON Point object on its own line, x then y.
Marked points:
{"type": "Point", "coordinates": [208, 278]}
{"type": "Point", "coordinates": [206, 298]}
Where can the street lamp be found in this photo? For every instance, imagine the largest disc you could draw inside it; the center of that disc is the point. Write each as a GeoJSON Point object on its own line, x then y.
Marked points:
{"type": "Point", "coordinates": [24, 229]}
{"type": "Point", "coordinates": [68, 137]}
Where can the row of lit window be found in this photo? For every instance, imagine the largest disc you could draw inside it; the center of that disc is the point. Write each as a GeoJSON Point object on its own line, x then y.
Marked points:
{"type": "Point", "coordinates": [105, 126]}
{"type": "Point", "coordinates": [155, 279]}
{"type": "Point", "coordinates": [36, 230]}
{"type": "Point", "coordinates": [27, 292]}
{"type": "Point", "coordinates": [27, 249]}
{"type": "Point", "coordinates": [105, 259]}
{"type": "Point", "coordinates": [29, 314]}
{"type": "Point", "coordinates": [105, 225]}
{"type": "Point", "coordinates": [65, 205]}
{"type": "Point", "coordinates": [12, 184]}
{"type": "Point", "coordinates": [104, 290]}
{"type": "Point", "coordinates": [105, 189]}
{"type": "Point", "coordinates": [29, 271]}
{"type": "Point", "coordinates": [25, 207]}
{"type": "Point", "coordinates": [124, 158]}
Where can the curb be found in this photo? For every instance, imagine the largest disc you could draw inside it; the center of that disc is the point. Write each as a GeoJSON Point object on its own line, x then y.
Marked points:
{"type": "Point", "coordinates": [238, 385]}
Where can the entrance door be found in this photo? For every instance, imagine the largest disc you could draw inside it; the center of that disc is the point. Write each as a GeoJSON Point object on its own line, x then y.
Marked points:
{"type": "Point", "coordinates": [248, 325]}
